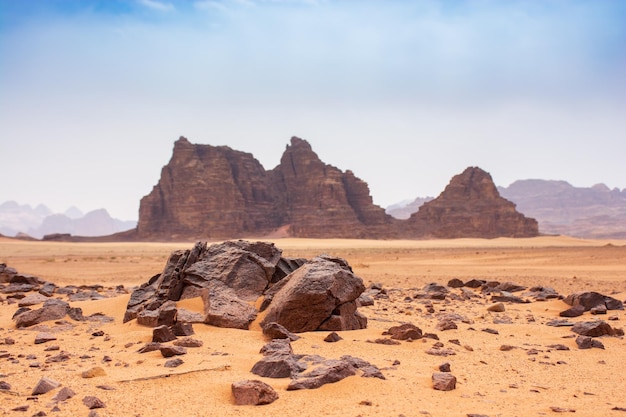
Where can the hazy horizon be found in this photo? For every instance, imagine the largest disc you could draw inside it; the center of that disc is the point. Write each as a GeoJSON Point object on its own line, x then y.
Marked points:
{"type": "Point", "coordinates": [404, 94]}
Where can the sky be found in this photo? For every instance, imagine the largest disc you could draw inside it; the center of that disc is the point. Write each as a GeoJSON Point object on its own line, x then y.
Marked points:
{"type": "Point", "coordinates": [406, 94]}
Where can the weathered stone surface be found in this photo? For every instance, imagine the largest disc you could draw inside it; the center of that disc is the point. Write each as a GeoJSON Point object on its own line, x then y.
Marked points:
{"type": "Point", "coordinates": [331, 371]}
{"type": "Point", "coordinates": [446, 325]}
{"type": "Point", "coordinates": [277, 366]}
{"type": "Point", "coordinates": [332, 337]}
{"type": "Point", "coordinates": [222, 307]}
{"type": "Point", "coordinates": [320, 295]}
{"type": "Point", "coordinates": [188, 342]}
{"type": "Point", "coordinates": [593, 328]}
{"type": "Point", "coordinates": [52, 309]}
{"type": "Point", "coordinates": [496, 308]}
{"type": "Point", "coordinates": [470, 206]}
{"type": "Point", "coordinates": [404, 332]}
{"type": "Point", "coordinates": [64, 394]}
{"type": "Point", "coordinates": [274, 330]}
{"type": "Point", "coordinates": [93, 372]}
{"type": "Point", "coordinates": [444, 381]}
{"type": "Point", "coordinates": [162, 334]}
{"type": "Point", "coordinates": [253, 392]}
{"type": "Point", "coordinates": [591, 299]}
{"type": "Point", "coordinates": [575, 311]}
{"type": "Point", "coordinates": [182, 329]}
{"type": "Point", "coordinates": [92, 402]}
{"type": "Point", "coordinates": [169, 351]}
{"type": "Point", "coordinates": [44, 337]}
{"type": "Point", "coordinates": [31, 300]}
{"type": "Point", "coordinates": [45, 385]}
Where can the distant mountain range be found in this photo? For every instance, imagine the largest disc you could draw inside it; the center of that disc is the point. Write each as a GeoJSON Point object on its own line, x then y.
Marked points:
{"type": "Point", "coordinates": [22, 219]}
{"type": "Point", "coordinates": [559, 207]}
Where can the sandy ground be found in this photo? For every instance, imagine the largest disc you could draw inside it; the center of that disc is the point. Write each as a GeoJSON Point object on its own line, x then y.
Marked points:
{"type": "Point", "coordinates": [490, 381]}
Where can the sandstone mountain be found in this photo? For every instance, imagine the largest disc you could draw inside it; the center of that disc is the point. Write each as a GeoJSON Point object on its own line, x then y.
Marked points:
{"type": "Point", "coordinates": [589, 212]}
{"type": "Point", "coordinates": [470, 206]}
{"type": "Point", "coordinates": [216, 192]}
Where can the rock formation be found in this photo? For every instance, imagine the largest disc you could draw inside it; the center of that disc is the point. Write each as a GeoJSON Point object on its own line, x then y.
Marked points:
{"type": "Point", "coordinates": [229, 277]}
{"type": "Point", "coordinates": [470, 206]}
{"type": "Point", "coordinates": [216, 192]}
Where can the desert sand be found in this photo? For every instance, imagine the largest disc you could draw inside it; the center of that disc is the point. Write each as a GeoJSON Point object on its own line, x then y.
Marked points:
{"type": "Point", "coordinates": [531, 379]}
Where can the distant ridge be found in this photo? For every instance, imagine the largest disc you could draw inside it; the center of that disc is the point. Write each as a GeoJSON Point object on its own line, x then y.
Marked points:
{"type": "Point", "coordinates": [24, 221]}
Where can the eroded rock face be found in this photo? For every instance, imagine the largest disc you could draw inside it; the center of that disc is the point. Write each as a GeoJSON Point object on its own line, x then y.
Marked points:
{"type": "Point", "coordinates": [229, 277]}
{"type": "Point", "coordinates": [320, 295]}
{"type": "Point", "coordinates": [470, 206]}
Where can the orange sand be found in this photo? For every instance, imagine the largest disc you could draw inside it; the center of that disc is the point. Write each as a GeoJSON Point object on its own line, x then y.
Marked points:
{"type": "Point", "coordinates": [490, 381]}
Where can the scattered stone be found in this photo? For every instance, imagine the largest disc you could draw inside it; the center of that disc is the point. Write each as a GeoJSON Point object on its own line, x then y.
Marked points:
{"type": "Point", "coordinates": [44, 337]}
{"type": "Point", "coordinates": [562, 410]}
{"type": "Point", "coordinates": [188, 342]}
{"type": "Point", "coordinates": [332, 337]}
{"type": "Point", "coordinates": [162, 334]}
{"type": "Point", "coordinates": [98, 333]}
{"type": "Point", "coordinates": [593, 299]}
{"type": "Point", "coordinates": [52, 309]}
{"type": "Point", "coordinates": [496, 308]}
{"type": "Point", "coordinates": [253, 392]}
{"type": "Point", "coordinates": [444, 367]}
{"type": "Point", "coordinates": [455, 283]}
{"type": "Point", "coordinates": [31, 300]}
{"type": "Point", "coordinates": [331, 371]}
{"type": "Point", "coordinates": [506, 348]}
{"type": "Point", "coordinates": [278, 366]}
{"type": "Point", "coordinates": [5, 386]}
{"type": "Point", "coordinates": [169, 351]}
{"type": "Point", "coordinates": [93, 402]}
{"type": "Point", "coordinates": [558, 346]}
{"type": "Point", "coordinates": [93, 372]}
{"type": "Point", "coordinates": [150, 347]}
{"type": "Point", "coordinates": [443, 381]}
{"type": "Point", "coordinates": [599, 309]}
{"type": "Point", "coordinates": [491, 331]}
{"type": "Point", "coordinates": [45, 385]}
{"type": "Point", "coordinates": [574, 311]}
{"type": "Point", "coordinates": [593, 328]}
{"type": "Point", "coordinates": [274, 330]}
{"type": "Point", "coordinates": [559, 323]}
{"type": "Point", "coordinates": [440, 352]}
{"type": "Point", "coordinates": [182, 329]}
{"type": "Point", "coordinates": [404, 332]}
{"type": "Point", "coordinates": [446, 325]}
{"type": "Point", "coordinates": [173, 363]}
{"type": "Point", "coordinates": [384, 341]}
{"type": "Point", "coordinates": [20, 408]}
{"type": "Point", "coordinates": [64, 394]}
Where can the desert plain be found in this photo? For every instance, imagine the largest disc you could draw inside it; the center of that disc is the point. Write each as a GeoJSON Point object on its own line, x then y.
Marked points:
{"type": "Point", "coordinates": [529, 377]}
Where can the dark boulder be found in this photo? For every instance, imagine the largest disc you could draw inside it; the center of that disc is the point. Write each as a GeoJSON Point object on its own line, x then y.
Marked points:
{"type": "Point", "coordinates": [320, 295]}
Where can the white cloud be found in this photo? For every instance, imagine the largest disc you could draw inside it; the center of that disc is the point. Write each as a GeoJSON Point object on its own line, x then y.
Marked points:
{"type": "Point", "coordinates": [157, 5]}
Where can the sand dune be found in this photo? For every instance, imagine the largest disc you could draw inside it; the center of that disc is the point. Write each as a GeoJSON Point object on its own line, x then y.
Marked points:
{"type": "Point", "coordinates": [492, 382]}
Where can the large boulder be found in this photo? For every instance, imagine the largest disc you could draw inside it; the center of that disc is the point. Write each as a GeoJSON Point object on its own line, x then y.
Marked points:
{"type": "Point", "coordinates": [320, 295]}
{"type": "Point", "coordinates": [231, 276]}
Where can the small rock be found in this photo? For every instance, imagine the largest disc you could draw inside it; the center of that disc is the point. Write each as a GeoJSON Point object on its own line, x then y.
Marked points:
{"type": "Point", "coordinates": [404, 332]}
{"type": "Point", "coordinates": [5, 386]}
{"type": "Point", "coordinates": [93, 402]}
{"type": "Point", "coordinates": [162, 334]}
{"type": "Point", "coordinates": [506, 348]}
{"type": "Point", "coordinates": [444, 381]}
{"type": "Point", "coordinates": [45, 385]}
{"type": "Point", "coordinates": [253, 392]}
{"type": "Point", "coordinates": [562, 410]}
{"type": "Point", "coordinates": [444, 367]}
{"type": "Point", "coordinates": [575, 311]}
{"type": "Point", "coordinates": [93, 372]}
{"type": "Point", "coordinates": [44, 337]}
{"type": "Point", "coordinates": [593, 328]}
{"type": "Point", "coordinates": [384, 341]}
{"type": "Point", "coordinates": [332, 337]}
{"type": "Point", "coordinates": [64, 394]}
{"type": "Point", "coordinates": [169, 351]}
{"type": "Point", "coordinates": [599, 309]}
{"type": "Point", "coordinates": [455, 283]}
{"type": "Point", "coordinates": [491, 331]}
{"type": "Point", "coordinates": [173, 363]}
{"type": "Point", "coordinates": [274, 330]}
{"type": "Point", "coordinates": [188, 342]}
{"type": "Point", "coordinates": [446, 325]}
{"type": "Point", "coordinates": [98, 333]}
{"type": "Point", "coordinates": [496, 308]}
{"type": "Point", "coordinates": [182, 329]}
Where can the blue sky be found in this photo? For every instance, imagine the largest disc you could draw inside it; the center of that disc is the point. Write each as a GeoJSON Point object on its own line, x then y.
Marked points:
{"type": "Point", "coordinates": [404, 93]}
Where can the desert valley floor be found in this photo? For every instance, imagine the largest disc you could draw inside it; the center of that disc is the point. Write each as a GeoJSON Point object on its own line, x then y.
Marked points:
{"type": "Point", "coordinates": [522, 367]}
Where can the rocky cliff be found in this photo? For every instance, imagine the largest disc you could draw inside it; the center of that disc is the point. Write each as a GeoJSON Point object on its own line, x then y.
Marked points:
{"type": "Point", "coordinates": [470, 206]}
{"type": "Point", "coordinates": [216, 192]}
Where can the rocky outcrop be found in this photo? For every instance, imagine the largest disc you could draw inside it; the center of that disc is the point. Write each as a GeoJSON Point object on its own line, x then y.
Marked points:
{"type": "Point", "coordinates": [470, 206]}
{"type": "Point", "coordinates": [230, 277]}
{"type": "Point", "coordinates": [216, 192]}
